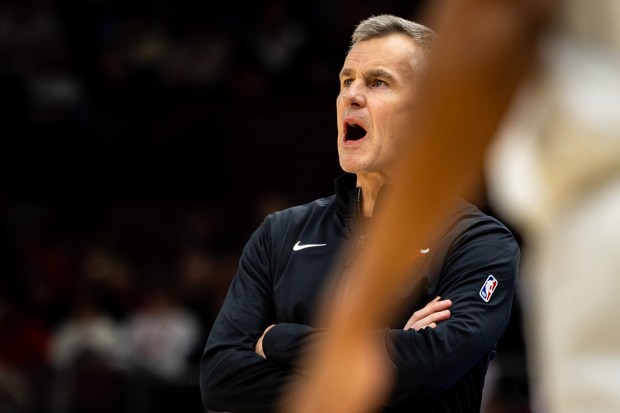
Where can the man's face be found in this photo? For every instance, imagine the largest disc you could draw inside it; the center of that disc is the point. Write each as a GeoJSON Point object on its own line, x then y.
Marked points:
{"type": "Point", "coordinates": [377, 91]}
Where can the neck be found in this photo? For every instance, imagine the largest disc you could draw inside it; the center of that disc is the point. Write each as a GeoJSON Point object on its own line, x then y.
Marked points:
{"type": "Point", "coordinates": [371, 185]}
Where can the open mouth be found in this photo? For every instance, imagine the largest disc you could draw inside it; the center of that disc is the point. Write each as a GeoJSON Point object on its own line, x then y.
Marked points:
{"type": "Point", "coordinates": [354, 132]}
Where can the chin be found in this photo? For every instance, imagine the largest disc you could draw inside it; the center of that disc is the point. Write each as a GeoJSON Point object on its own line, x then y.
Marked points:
{"type": "Point", "coordinates": [352, 164]}
{"type": "Point", "coordinates": [350, 167]}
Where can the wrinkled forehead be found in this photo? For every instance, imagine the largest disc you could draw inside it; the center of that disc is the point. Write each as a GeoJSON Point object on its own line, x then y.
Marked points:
{"type": "Point", "coordinates": [395, 52]}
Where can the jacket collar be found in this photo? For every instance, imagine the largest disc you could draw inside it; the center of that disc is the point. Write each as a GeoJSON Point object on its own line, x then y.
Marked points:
{"type": "Point", "coordinates": [346, 195]}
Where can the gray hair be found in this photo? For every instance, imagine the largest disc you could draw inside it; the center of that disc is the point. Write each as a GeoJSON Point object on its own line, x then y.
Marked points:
{"type": "Point", "coordinates": [385, 24]}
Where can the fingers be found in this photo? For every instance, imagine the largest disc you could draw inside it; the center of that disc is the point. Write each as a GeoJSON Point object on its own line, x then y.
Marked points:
{"type": "Point", "coordinates": [258, 348]}
{"type": "Point", "coordinates": [430, 315]}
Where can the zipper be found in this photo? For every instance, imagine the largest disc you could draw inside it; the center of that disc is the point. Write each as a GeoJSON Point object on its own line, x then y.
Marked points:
{"type": "Point", "coordinates": [358, 230]}
{"type": "Point", "coordinates": [360, 219]}
{"type": "Point", "coordinates": [361, 238]}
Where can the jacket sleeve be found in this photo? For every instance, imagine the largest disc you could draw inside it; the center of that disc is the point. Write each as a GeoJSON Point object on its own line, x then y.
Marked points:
{"type": "Point", "coordinates": [284, 342]}
{"type": "Point", "coordinates": [232, 376]}
{"type": "Point", "coordinates": [430, 361]}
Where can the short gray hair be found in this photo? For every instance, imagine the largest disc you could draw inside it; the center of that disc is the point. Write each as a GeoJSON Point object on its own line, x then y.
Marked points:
{"type": "Point", "coordinates": [385, 24]}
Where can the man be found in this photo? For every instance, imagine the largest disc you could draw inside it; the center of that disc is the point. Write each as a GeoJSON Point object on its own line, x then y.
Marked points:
{"type": "Point", "coordinates": [485, 50]}
{"type": "Point", "coordinates": [271, 311]}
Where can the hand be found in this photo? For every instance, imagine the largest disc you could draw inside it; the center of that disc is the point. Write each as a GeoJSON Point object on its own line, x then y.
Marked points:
{"type": "Point", "coordinates": [430, 315]}
{"type": "Point", "coordinates": [259, 344]}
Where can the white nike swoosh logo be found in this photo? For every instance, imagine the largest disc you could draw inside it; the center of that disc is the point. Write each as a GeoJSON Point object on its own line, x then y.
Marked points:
{"type": "Point", "coordinates": [425, 251]}
{"type": "Point", "coordinates": [298, 247]}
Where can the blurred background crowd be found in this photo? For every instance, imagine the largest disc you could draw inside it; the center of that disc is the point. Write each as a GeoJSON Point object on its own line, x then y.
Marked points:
{"type": "Point", "coordinates": [142, 143]}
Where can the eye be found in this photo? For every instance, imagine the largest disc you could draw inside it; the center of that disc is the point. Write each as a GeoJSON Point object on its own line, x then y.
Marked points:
{"type": "Point", "coordinates": [347, 82]}
{"type": "Point", "coordinates": [378, 83]}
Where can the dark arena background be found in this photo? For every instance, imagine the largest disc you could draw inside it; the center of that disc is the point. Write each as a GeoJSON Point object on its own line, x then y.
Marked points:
{"type": "Point", "coordinates": [142, 143]}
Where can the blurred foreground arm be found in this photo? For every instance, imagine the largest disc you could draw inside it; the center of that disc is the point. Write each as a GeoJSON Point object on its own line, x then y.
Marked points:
{"type": "Point", "coordinates": [485, 48]}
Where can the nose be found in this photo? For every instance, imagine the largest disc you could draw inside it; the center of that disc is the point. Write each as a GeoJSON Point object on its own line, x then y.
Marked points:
{"type": "Point", "coordinates": [354, 94]}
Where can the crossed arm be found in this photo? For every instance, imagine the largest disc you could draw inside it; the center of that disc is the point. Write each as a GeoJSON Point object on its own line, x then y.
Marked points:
{"type": "Point", "coordinates": [434, 312]}
{"type": "Point", "coordinates": [236, 373]}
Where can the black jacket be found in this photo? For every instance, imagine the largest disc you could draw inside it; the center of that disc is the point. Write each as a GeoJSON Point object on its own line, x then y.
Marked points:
{"type": "Point", "coordinates": [437, 370]}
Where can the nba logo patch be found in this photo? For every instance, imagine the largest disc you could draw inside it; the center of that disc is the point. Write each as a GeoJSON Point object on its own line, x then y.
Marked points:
{"type": "Point", "coordinates": [488, 288]}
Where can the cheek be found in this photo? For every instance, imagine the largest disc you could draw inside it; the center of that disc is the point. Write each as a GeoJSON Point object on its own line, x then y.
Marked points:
{"type": "Point", "coordinates": [395, 128]}
{"type": "Point", "coordinates": [387, 146]}
{"type": "Point", "coordinates": [339, 111]}
{"type": "Point", "coordinates": [339, 104]}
